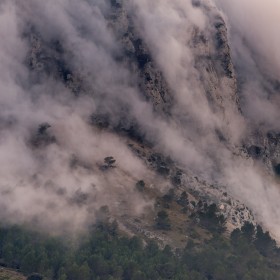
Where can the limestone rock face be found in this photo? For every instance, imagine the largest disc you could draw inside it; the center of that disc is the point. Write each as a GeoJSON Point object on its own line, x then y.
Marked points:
{"type": "Point", "coordinates": [135, 74]}
{"type": "Point", "coordinates": [214, 64]}
{"type": "Point", "coordinates": [212, 61]}
{"type": "Point", "coordinates": [139, 59]}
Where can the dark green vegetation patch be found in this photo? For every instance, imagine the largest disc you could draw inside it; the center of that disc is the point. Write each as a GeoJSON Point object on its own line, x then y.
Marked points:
{"type": "Point", "coordinates": [250, 253]}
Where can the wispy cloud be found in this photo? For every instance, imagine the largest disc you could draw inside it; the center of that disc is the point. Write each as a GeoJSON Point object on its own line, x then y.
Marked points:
{"type": "Point", "coordinates": [62, 62]}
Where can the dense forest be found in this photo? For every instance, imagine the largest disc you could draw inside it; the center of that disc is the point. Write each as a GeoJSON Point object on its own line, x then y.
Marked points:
{"type": "Point", "coordinates": [105, 253]}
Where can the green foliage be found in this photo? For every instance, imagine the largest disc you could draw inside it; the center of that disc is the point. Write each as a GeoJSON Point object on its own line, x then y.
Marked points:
{"type": "Point", "coordinates": [104, 254]}
{"type": "Point", "coordinates": [35, 276]}
{"type": "Point", "coordinates": [211, 219]}
{"type": "Point", "coordinates": [248, 231]}
{"type": "Point", "coordinates": [162, 221]}
{"type": "Point", "coordinates": [183, 200]}
{"type": "Point", "coordinates": [264, 243]}
{"type": "Point", "coordinates": [109, 161]}
{"type": "Point", "coordinates": [140, 186]}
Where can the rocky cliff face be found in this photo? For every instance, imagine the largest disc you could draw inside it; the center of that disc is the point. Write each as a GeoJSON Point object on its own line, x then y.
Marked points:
{"type": "Point", "coordinates": [180, 129]}
{"type": "Point", "coordinates": [212, 62]}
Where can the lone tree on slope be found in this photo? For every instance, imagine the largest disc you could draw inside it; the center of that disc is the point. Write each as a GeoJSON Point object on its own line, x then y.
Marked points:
{"type": "Point", "coordinates": [109, 161]}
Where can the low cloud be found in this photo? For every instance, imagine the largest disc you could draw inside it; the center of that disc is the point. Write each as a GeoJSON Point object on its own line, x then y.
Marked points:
{"type": "Point", "coordinates": [63, 64]}
{"type": "Point", "coordinates": [254, 43]}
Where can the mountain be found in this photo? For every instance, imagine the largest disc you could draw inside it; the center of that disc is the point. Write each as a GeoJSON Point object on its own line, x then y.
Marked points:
{"type": "Point", "coordinates": [139, 139]}
{"type": "Point", "coordinates": [144, 113]}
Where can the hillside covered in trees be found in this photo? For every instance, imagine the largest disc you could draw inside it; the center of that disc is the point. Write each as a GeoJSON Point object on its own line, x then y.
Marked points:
{"type": "Point", "coordinates": [105, 253]}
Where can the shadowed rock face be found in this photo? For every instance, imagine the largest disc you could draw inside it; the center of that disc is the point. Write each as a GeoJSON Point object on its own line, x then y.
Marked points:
{"type": "Point", "coordinates": [42, 137]}
{"type": "Point", "coordinates": [210, 49]}
{"type": "Point", "coordinates": [264, 148]}
{"type": "Point", "coordinates": [255, 151]}
{"type": "Point", "coordinates": [48, 59]}
{"type": "Point", "coordinates": [277, 169]}
{"type": "Point", "coordinates": [137, 55]}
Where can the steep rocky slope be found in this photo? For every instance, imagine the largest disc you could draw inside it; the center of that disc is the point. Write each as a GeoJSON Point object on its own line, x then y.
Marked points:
{"type": "Point", "coordinates": [212, 61]}
{"type": "Point", "coordinates": [174, 127]}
